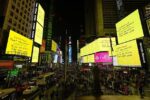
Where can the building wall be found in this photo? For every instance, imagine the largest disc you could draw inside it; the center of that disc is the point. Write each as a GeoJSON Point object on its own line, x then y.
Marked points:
{"type": "Point", "coordinates": [19, 16]}
{"type": "Point", "coordinates": [100, 17]}
{"type": "Point", "coordinates": [90, 18]}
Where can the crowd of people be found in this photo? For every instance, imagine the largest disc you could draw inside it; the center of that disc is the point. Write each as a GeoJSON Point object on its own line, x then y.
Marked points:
{"type": "Point", "coordinates": [127, 82]}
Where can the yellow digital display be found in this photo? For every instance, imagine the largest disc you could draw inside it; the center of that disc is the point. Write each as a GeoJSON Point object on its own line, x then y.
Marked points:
{"type": "Point", "coordinates": [18, 44]}
{"type": "Point", "coordinates": [128, 54]}
{"type": "Point", "coordinates": [35, 55]}
{"type": "Point", "coordinates": [91, 58]}
{"type": "Point", "coordinates": [40, 15]}
{"type": "Point", "coordinates": [88, 59]}
{"type": "Point", "coordinates": [129, 28]}
{"type": "Point", "coordinates": [38, 33]}
{"type": "Point", "coordinates": [54, 46]}
{"type": "Point", "coordinates": [85, 59]}
{"type": "Point", "coordinates": [101, 44]}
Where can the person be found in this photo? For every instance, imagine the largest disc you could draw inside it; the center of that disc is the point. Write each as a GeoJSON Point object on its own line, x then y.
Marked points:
{"type": "Point", "coordinates": [141, 86]}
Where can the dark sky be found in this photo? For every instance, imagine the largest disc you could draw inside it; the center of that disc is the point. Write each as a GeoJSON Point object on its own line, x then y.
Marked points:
{"type": "Point", "coordinates": [70, 13]}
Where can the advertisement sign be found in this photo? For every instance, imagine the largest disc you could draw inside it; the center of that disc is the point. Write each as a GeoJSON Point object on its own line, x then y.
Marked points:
{"type": "Point", "coordinates": [101, 44]}
{"type": "Point", "coordinates": [35, 55]}
{"type": "Point", "coordinates": [42, 48]}
{"type": "Point", "coordinates": [70, 53]}
{"type": "Point", "coordinates": [18, 45]}
{"type": "Point", "coordinates": [128, 54]}
{"type": "Point", "coordinates": [91, 58]}
{"type": "Point", "coordinates": [129, 28]}
{"type": "Point", "coordinates": [6, 64]}
{"type": "Point", "coordinates": [54, 46]}
{"type": "Point", "coordinates": [38, 33]}
{"type": "Point", "coordinates": [102, 57]}
{"type": "Point", "coordinates": [40, 15]}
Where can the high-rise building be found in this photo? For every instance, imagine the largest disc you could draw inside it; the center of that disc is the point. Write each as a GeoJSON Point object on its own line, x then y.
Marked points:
{"type": "Point", "coordinates": [17, 15]}
{"type": "Point", "coordinates": [100, 17]}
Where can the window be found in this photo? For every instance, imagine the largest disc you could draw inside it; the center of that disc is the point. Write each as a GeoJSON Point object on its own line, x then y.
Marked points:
{"type": "Point", "coordinates": [20, 20]}
{"type": "Point", "coordinates": [16, 17]}
{"type": "Point", "coordinates": [20, 13]}
{"type": "Point", "coordinates": [11, 14]}
{"type": "Point", "coordinates": [18, 4]}
{"type": "Point", "coordinates": [10, 20]}
{"type": "Point", "coordinates": [14, 24]}
{"type": "Point", "coordinates": [14, 1]}
{"type": "Point", "coordinates": [13, 7]}
{"type": "Point", "coordinates": [17, 10]}
{"type": "Point", "coordinates": [19, 25]}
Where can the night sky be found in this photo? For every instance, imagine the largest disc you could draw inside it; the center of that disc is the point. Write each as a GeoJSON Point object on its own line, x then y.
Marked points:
{"type": "Point", "coordinates": [68, 15]}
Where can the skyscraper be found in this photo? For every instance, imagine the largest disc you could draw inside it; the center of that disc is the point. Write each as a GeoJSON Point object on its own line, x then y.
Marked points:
{"type": "Point", "coordinates": [18, 15]}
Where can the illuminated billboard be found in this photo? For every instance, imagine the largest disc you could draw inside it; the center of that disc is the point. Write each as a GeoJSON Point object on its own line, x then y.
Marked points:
{"type": "Point", "coordinates": [40, 15]}
{"type": "Point", "coordinates": [101, 44]}
{"type": "Point", "coordinates": [129, 28]}
{"type": "Point", "coordinates": [85, 59]}
{"type": "Point", "coordinates": [35, 55]}
{"type": "Point", "coordinates": [42, 48]}
{"type": "Point", "coordinates": [128, 54]}
{"type": "Point", "coordinates": [38, 33]}
{"type": "Point", "coordinates": [18, 45]}
{"type": "Point", "coordinates": [54, 46]}
{"type": "Point", "coordinates": [88, 59]}
{"type": "Point", "coordinates": [91, 58]}
{"type": "Point", "coordinates": [102, 57]}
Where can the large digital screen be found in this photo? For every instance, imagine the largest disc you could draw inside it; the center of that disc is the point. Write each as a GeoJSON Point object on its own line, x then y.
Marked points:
{"type": "Point", "coordinates": [128, 54]}
{"type": "Point", "coordinates": [55, 58]}
{"type": "Point", "coordinates": [88, 59]}
{"type": "Point", "coordinates": [13, 72]}
{"type": "Point", "coordinates": [54, 46]}
{"type": "Point", "coordinates": [38, 33]}
{"type": "Point", "coordinates": [40, 15]}
{"type": "Point", "coordinates": [70, 53]}
{"type": "Point", "coordinates": [101, 44]}
{"type": "Point", "coordinates": [18, 45]}
{"type": "Point", "coordinates": [35, 55]}
{"type": "Point", "coordinates": [102, 57]}
{"type": "Point", "coordinates": [130, 27]}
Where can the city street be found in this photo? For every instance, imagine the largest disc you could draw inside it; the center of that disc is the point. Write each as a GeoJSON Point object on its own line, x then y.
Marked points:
{"type": "Point", "coordinates": [112, 97]}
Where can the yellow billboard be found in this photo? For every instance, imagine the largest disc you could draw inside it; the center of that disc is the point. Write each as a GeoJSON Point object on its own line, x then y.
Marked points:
{"type": "Point", "coordinates": [18, 44]}
{"type": "Point", "coordinates": [128, 54]}
{"type": "Point", "coordinates": [54, 46]}
{"type": "Point", "coordinates": [101, 44]}
{"type": "Point", "coordinates": [38, 33]}
{"type": "Point", "coordinates": [130, 27]}
{"type": "Point", "coordinates": [85, 59]}
{"type": "Point", "coordinates": [35, 55]}
{"type": "Point", "coordinates": [40, 15]}
{"type": "Point", "coordinates": [88, 59]}
{"type": "Point", "coordinates": [91, 58]}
